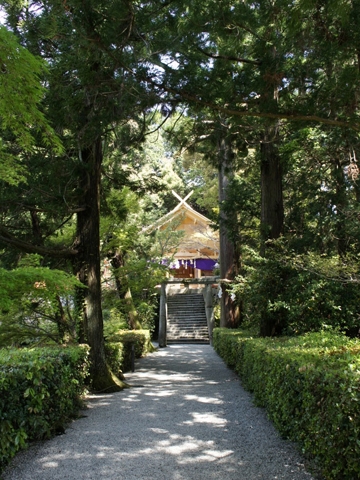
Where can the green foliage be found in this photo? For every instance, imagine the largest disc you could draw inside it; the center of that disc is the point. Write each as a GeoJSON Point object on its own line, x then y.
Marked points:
{"type": "Point", "coordinates": [40, 391]}
{"type": "Point", "coordinates": [20, 95]}
{"type": "Point", "coordinates": [35, 305]}
{"type": "Point", "coordinates": [115, 358]}
{"type": "Point", "coordinates": [114, 320]}
{"type": "Point", "coordinates": [297, 293]}
{"type": "Point", "coordinates": [235, 64]}
{"type": "Point", "coordinates": [241, 206]}
{"type": "Point", "coordinates": [118, 348]}
{"type": "Point", "coordinates": [147, 311]}
{"type": "Point", "coordinates": [310, 388]}
{"type": "Point", "coordinates": [134, 260]}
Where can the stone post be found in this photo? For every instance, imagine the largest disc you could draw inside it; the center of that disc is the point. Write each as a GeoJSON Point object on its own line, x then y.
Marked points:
{"type": "Point", "coordinates": [162, 316]}
{"type": "Point", "coordinates": [209, 308]}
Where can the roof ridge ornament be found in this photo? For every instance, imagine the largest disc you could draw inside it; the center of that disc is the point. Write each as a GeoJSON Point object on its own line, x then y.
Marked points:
{"type": "Point", "coordinates": [182, 200]}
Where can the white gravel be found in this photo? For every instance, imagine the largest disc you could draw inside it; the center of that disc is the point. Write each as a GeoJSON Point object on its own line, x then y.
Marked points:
{"type": "Point", "coordinates": [187, 417]}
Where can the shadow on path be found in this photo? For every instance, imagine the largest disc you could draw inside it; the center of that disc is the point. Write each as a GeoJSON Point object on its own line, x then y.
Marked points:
{"type": "Point", "coordinates": [186, 417]}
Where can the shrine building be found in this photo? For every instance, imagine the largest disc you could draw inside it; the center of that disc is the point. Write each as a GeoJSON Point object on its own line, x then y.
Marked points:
{"type": "Point", "coordinates": [198, 251]}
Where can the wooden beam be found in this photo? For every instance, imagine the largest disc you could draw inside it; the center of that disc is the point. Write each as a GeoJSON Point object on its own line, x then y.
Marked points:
{"type": "Point", "coordinates": [182, 200]}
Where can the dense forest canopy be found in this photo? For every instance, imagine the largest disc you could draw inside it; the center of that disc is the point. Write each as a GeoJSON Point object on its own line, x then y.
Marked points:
{"type": "Point", "coordinates": [106, 106]}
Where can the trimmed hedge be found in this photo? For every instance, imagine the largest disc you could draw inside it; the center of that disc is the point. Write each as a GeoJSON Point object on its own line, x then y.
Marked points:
{"type": "Point", "coordinates": [40, 390]}
{"type": "Point", "coordinates": [310, 387]}
{"type": "Point", "coordinates": [118, 348]}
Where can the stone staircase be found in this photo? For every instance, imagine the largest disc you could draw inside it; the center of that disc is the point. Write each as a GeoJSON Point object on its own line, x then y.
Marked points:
{"type": "Point", "coordinates": [186, 318]}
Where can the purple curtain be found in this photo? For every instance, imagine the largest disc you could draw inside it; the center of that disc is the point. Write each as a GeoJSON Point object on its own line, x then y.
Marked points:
{"type": "Point", "coordinates": [200, 263]}
{"type": "Point", "coordinates": [205, 263]}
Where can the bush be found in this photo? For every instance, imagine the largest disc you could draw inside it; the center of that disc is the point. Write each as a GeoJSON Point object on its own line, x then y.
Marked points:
{"type": "Point", "coordinates": [36, 305]}
{"type": "Point", "coordinates": [289, 294]}
{"type": "Point", "coordinates": [310, 386]}
{"type": "Point", "coordinates": [40, 390]}
{"type": "Point", "coordinates": [118, 348]}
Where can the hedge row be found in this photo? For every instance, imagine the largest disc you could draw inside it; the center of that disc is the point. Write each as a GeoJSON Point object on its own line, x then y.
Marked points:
{"type": "Point", "coordinates": [118, 349]}
{"type": "Point", "coordinates": [40, 390]}
{"type": "Point", "coordinates": [310, 386]}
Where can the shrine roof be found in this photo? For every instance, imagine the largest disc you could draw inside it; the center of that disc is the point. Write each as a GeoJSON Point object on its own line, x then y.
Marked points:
{"type": "Point", "coordinates": [182, 208]}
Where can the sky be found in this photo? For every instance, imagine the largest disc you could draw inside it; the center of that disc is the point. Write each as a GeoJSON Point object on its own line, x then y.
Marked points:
{"type": "Point", "coordinates": [2, 16]}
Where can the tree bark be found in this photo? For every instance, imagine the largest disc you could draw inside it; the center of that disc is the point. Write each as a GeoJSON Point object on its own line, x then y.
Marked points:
{"type": "Point", "coordinates": [272, 208]}
{"type": "Point", "coordinates": [88, 269]}
{"type": "Point", "coordinates": [340, 202]}
{"type": "Point", "coordinates": [230, 312]}
{"type": "Point", "coordinates": [272, 215]}
{"type": "Point", "coordinates": [124, 292]}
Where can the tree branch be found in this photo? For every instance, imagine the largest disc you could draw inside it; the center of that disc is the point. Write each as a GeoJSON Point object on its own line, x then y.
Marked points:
{"type": "Point", "coordinates": [294, 117]}
{"type": "Point", "coordinates": [229, 57]}
{"type": "Point", "coordinates": [29, 248]}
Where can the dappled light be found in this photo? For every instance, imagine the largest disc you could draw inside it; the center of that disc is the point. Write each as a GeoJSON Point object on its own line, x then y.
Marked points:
{"type": "Point", "coordinates": [171, 171]}
{"type": "Point", "coordinates": [185, 418]}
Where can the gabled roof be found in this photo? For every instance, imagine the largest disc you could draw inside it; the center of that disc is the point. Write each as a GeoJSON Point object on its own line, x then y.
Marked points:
{"type": "Point", "coordinates": [199, 241]}
{"type": "Point", "coordinates": [182, 208]}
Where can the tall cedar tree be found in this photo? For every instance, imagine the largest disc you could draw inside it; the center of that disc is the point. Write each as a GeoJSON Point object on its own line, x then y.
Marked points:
{"type": "Point", "coordinates": [97, 61]}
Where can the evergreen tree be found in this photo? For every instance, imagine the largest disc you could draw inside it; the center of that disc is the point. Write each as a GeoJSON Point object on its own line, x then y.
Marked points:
{"type": "Point", "coordinates": [20, 116]}
{"type": "Point", "coordinates": [94, 52]}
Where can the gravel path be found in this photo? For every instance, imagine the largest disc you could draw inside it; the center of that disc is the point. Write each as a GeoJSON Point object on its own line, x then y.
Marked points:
{"type": "Point", "coordinates": [187, 417]}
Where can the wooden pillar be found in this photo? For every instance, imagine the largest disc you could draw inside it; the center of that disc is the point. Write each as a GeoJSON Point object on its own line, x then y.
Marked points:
{"type": "Point", "coordinates": [162, 316]}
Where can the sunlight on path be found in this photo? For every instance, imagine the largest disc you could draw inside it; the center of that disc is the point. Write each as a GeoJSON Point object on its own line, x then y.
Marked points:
{"type": "Point", "coordinates": [186, 417]}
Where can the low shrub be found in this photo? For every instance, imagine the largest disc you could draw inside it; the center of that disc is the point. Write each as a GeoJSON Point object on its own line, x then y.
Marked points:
{"type": "Point", "coordinates": [118, 348]}
{"type": "Point", "coordinates": [310, 387]}
{"type": "Point", "coordinates": [285, 293]}
{"type": "Point", "coordinates": [40, 390]}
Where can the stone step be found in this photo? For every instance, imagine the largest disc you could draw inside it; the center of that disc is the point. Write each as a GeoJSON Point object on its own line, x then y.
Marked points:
{"type": "Point", "coordinates": [187, 326]}
{"type": "Point", "coordinates": [188, 333]}
{"type": "Point", "coordinates": [186, 318]}
{"type": "Point", "coordinates": [192, 299]}
{"type": "Point", "coordinates": [181, 302]}
{"type": "Point", "coordinates": [186, 305]}
{"type": "Point", "coordinates": [184, 339]}
{"type": "Point", "coordinates": [188, 312]}
{"type": "Point", "coordinates": [188, 323]}
{"type": "Point", "coordinates": [182, 296]}
{"type": "Point", "coordinates": [193, 331]}
{"type": "Point", "coordinates": [184, 323]}
{"type": "Point", "coordinates": [181, 333]}
{"type": "Point", "coordinates": [173, 329]}
{"type": "Point", "coordinates": [186, 308]}
{"type": "Point", "coordinates": [186, 295]}
{"type": "Point", "coordinates": [195, 341]}
{"type": "Point", "coordinates": [195, 304]}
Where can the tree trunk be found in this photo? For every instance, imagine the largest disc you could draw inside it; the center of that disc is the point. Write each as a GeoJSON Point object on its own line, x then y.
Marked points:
{"type": "Point", "coordinates": [124, 293]}
{"type": "Point", "coordinates": [230, 312]}
{"type": "Point", "coordinates": [133, 317]}
{"type": "Point", "coordinates": [272, 208]}
{"type": "Point", "coordinates": [340, 202]}
{"type": "Point", "coordinates": [272, 214]}
{"type": "Point", "coordinates": [88, 266]}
